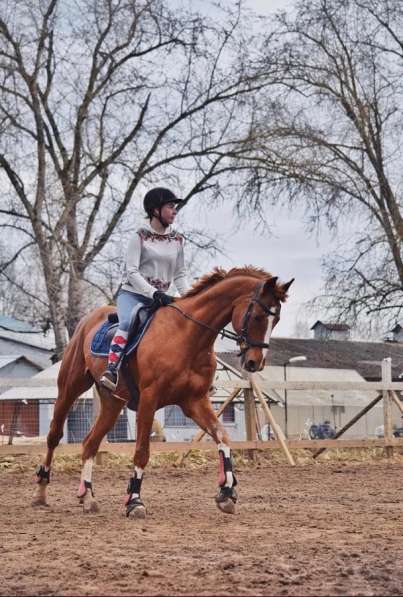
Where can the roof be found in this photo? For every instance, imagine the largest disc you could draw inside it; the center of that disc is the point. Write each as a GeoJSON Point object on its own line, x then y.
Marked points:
{"type": "Point", "coordinates": [42, 392]}
{"type": "Point", "coordinates": [15, 325]}
{"type": "Point", "coordinates": [363, 357]}
{"type": "Point", "coordinates": [334, 327]}
{"type": "Point", "coordinates": [37, 339]}
{"type": "Point", "coordinates": [12, 358]}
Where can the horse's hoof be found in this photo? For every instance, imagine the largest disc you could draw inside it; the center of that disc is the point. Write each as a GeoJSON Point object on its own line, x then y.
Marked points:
{"type": "Point", "coordinates": [227, 506]}
{"type": "Point", "coordinates": [135, 509]}
{"type": "Point", "coordinates": [138, 513]}
{"type": "Point", "coordinates": [91, 507]}
{"type": "Point", "coordinates": [39, 502]}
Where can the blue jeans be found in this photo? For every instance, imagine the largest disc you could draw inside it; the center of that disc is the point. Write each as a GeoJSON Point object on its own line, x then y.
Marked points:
{"type": "Point", "coordinates": [128, 304]}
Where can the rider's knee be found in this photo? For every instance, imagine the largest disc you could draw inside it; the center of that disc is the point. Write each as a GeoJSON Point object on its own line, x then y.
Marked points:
{"type": "Point", "coordinates": [124, 324]}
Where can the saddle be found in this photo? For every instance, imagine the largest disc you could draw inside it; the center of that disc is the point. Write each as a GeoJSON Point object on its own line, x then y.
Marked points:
{"type": "Point", "coordinates": [103, 337]}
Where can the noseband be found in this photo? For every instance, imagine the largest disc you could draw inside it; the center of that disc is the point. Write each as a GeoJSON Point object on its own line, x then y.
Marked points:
{"type": "Point", "coordinates": [242, 339]}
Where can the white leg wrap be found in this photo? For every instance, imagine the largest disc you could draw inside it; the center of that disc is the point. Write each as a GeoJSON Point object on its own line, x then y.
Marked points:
{"type": "Point", "coordinates": [138, 473]}
{"type": "Point", "coordinates": [86, 473]}
{"type": "Point", "coordinates": [229, 477]}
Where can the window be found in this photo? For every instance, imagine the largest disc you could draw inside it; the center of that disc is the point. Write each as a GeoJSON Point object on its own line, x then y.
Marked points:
{"type": "Point", "coordinates": [228, 415]}
{"type": "Point", "coordinates": [174, 417]}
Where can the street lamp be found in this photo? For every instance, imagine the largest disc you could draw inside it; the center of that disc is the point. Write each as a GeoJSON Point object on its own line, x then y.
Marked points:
{"type": "Point", "coordinates": [300, 357]}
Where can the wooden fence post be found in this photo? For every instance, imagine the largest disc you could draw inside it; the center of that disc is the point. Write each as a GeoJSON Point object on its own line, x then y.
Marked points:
{"type": "Point", "coordinates": [396, 400]}
{"type": "Point", "coordinates": [250, 418]}
{"type": "Point", "coordinates": [387, 406]}
{"type": "Point", "coordinates": [271, 421]}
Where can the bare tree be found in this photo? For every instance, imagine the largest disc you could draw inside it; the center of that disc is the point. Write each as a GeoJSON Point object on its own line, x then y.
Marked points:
{"type": "Point", "coordinates": [94, 109]}
{"type": "Point", "coordinates": [331, 137]}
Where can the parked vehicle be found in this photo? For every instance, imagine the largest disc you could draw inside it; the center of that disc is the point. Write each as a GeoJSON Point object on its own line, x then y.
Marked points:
{"type": "Point", "coordinates": [322, 431]}
{"type": "Point", "coordinates": [397, 432]}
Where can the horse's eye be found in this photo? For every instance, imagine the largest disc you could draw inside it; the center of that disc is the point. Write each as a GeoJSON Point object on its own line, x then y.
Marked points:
{"type": "Point", "coordinates": [258, 317]}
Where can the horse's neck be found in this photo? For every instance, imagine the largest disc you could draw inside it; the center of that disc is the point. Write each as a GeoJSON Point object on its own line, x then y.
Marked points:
{"type": "Point", "coordinates": [214, 305]}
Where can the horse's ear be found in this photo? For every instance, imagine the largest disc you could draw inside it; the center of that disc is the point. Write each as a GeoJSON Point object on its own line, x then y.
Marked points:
{"type": "Point", "coordinates": [286, 286]}
{"type": "Point", "coordinates": [270, 284]}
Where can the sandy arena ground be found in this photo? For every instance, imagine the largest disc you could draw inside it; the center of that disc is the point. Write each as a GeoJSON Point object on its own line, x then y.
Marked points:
{"type": "Point", "coordinates": [324, 529]}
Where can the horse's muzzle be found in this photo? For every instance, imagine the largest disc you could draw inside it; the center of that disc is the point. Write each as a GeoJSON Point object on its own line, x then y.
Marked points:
{"type": "Point", "coordinates": [251, 366]}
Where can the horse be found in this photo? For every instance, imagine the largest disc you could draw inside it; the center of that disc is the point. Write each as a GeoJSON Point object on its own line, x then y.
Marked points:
{"type": "Point", "coordinates": [173, 364]}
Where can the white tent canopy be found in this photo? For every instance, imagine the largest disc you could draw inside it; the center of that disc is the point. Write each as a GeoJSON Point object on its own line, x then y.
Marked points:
{"type": "Point", "coordinates": [45, 392]}
{"type": "Point", "coordinates": [355, 398]}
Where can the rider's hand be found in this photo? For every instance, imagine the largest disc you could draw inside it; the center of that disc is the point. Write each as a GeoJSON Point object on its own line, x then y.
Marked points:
{"type": "Point", "coordinates": [162, 299]}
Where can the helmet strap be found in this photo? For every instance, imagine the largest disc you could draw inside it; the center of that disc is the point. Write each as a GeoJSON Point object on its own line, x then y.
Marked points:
{"type": "Point", "coordinates": [161, 219]}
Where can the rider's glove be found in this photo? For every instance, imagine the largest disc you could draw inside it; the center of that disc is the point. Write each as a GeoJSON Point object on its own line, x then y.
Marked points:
{"type": "Point", "coordinates": [162, 299]}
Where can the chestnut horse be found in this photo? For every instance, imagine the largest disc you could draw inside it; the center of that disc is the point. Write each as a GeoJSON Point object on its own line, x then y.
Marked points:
{"type": "Point", "coordinates": [174, 364]}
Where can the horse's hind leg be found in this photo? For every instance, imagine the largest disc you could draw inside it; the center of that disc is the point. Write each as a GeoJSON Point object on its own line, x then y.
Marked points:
{"type": "Point", "coordinates": [68, 393]}
{"type": "Point", "coordinates": [109, 412]}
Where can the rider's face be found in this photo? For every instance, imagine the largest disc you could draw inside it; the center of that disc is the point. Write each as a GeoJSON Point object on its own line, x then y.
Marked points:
{"type": "Point", "coordinates": [168, 212]}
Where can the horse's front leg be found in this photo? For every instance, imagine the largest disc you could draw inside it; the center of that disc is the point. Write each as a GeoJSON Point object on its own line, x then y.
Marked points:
{"type": "Point", "coordinates": [109, 412]}
{"type": "Point", "coordinates": [135, 507]}
{"type": "Point", "coordinates": [203, 414]}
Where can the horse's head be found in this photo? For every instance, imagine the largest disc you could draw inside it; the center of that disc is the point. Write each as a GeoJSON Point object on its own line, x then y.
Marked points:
{"type": "Point", "coordinates": [254, 318]}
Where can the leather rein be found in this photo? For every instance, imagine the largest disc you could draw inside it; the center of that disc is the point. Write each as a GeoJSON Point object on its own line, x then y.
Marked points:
{"type": "Point", "coordinates": [241, 339]}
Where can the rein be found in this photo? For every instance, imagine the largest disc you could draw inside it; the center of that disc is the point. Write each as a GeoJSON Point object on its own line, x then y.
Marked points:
{"type": "Point", "coordinates": [223, 333]}
{"type": "Point", "coordinates": [241, 339]}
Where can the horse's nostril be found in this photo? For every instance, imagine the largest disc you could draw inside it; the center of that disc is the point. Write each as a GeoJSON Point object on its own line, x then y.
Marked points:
{"type": "Point", "coordinates": [251, 366]}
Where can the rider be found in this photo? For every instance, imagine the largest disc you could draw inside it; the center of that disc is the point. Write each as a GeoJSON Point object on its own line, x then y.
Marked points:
{"type": "Point", "coordinates": [154, 260]}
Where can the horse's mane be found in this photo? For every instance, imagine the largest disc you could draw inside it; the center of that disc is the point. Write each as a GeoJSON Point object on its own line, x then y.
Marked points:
{"type": "Point", "coordinates": [218, 274]}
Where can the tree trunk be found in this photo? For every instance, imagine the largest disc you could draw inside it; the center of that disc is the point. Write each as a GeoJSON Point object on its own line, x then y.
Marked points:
{"type": "Point", "coordinates": [76, 299]}
{"type": "Point", "coordinates": [53, 282]}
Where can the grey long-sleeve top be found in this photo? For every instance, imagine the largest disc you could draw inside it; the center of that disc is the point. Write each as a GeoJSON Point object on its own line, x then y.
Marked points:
{"type": "Point", "coordinates": [154, 261]}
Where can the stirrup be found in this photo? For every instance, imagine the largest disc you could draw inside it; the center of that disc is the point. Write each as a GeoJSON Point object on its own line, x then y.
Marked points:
{"type": "Point", "coordinates": [106, 379]}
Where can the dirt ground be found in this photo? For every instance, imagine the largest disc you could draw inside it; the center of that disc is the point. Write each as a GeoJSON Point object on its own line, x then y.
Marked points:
{"type": "Point", "coordinates": [334, 528]}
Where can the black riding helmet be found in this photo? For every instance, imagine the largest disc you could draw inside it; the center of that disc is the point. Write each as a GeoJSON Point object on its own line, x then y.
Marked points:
{"type": "Point", "coordinates": [156, 198]}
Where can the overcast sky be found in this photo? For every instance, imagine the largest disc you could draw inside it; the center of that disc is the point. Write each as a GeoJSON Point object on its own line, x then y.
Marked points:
{"type": "Point", "coordinates": [288, 251]}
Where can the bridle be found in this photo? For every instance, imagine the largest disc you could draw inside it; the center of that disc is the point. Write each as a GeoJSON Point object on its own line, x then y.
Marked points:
{"type": "Point", "coordinates": [242, 339]}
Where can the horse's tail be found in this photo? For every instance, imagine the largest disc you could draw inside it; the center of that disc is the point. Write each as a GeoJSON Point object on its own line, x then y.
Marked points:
{"type": "Point", "coordinates": [73, 371]}
{"type": "Point", "coordinates": [73, 380]}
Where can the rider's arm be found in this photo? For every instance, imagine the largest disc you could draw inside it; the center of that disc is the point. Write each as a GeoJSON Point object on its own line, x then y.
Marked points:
{"type": "Point", "coordinates": [180, 277]}
{"type": "Point", "coordinates": [134, 277]}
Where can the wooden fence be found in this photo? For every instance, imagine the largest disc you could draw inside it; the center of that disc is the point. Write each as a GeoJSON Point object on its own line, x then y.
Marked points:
{"type": "Point", "coordinates": [255, 387]}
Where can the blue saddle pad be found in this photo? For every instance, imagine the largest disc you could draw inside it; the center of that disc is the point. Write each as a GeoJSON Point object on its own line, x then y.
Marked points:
{"type": "Point", "coordinates": [103, 336]}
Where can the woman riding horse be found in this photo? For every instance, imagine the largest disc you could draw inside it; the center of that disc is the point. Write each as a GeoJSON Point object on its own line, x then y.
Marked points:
{"type": "Point", "coordinates": [154, 260]}
{"type": "Point", "coordinates": [174, 364]}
